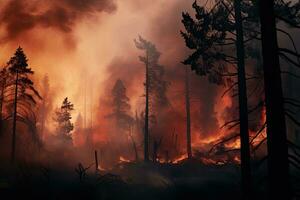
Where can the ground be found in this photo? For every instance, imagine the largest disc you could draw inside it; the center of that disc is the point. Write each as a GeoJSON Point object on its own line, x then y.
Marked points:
{"type": "Point", "coordinates": [128, 180]}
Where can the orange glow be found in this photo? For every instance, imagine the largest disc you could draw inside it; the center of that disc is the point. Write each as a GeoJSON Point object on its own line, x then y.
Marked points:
{"type": "Point", "coordinates": [123, 160]}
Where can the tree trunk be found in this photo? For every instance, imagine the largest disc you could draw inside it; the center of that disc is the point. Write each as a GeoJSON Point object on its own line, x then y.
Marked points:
{"type": "Point", "coordinates": [1, 104]}
{"type": "Point", "coordinates": [155, 148]}
{"type": "Point", "coordinates": [134, 145]}
{"type": "Point", "coordinates": [13, 149]}
{"type": "Point", "coordinates": [146, 136]}
{"type": "Point", "coordinates": [278, 167]}
{"type": "Point", "coordinates": [96, 161]}
{"type": "Point", "coordinates": [188, 115]}
{"type": "Point", "coordinates": [243, 105]}
{"type": "Point", "coordinates": [43, 120]}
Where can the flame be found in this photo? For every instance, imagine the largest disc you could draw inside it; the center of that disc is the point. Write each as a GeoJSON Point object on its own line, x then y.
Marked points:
{"type": "Point", "coordinates": [179, 159]}
{"type": "Point", "coordinates": [122, 160]}
{"type": "Point", "coordinates": [101, 168]}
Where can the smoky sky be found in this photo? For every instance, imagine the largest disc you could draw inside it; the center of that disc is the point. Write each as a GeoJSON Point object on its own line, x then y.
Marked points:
{"type": "Point", "coordinates": [19, 16]}
{"type": "Point", "coordinates": [164, 31]}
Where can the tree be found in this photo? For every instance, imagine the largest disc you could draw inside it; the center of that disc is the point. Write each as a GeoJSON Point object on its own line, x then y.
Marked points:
{"type": "Point", "coordinates": [5, 80]}
{"type": "Point", "coordinates": [188, 114]}
{"type": "Point", "coordinates": [121, 106]}
{"type": "Point", "coordinates": [243, 103]}
{"type": "Point", "coordinates": [278, 168]}
{"type": "Point", "coordinates": [147, 47]}
{"type": "Point", "coordinates": [155, 85]}
{"type": "Point", "coordinates": [63, 119]}
{"type": "Point", "coordinates": [208, 36]}
{"type": "Point", "coordinates": [23, 95]}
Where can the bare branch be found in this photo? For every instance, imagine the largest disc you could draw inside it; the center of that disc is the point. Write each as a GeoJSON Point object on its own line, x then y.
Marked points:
{"type": "Point", "coordinates": [258, 132]}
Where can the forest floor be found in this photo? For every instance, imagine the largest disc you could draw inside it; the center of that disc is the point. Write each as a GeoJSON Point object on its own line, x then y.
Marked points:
{"type": "Point", "coordinates": [148, 181]}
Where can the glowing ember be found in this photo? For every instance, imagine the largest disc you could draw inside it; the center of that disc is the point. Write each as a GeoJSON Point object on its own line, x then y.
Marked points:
{"type": "Point", "coordinates": [179, 159]}
{"type": "Point", "coordinates": [122, 160]}
{"type": "Point", "coordinates": [101, 168]}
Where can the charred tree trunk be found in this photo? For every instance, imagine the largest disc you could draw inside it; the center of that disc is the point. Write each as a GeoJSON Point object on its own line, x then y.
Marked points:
{"type": "Point", "coordinates": [96, 161]}
{"type": "Point", "coordinates": [167, 156]}
{"type": "Point", "coordinates": [133, 145]}
{"type": "Point", "coordinates": [278, 167]}
{"type": "Point", "coordinates": [155, 148]}
{"type": "Point", "coordinates": [176, 143]}
{"type": "Point", "coordinates": [13, 148]}
{"type": "Point", "coordinates": [243, 105]}
{"type": "Point", "coordinates": [146, 131]}
{"type": "Point", "coordinates": [188, 115]}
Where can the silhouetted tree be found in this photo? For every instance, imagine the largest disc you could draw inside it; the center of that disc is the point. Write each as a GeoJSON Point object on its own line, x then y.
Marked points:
{"type": "Point", "coordinates": [121, 106]}
{"type": "Point", "coordinates": [278, 168]}
{"type": "Point", "coordinates": [155, 85]}
{"type": "Point", "coordinates": [147, 47]}
{"type": "Point", "coordinates": [188, 115]}
{"type": "Point", "coordinates": [63, 119]}
{"type": "Point", "coordinates": [208, 36]}
{"type": "Point", "coordinates": [5, 81]}
{"type": "Point", "coordinates": [23, 95]}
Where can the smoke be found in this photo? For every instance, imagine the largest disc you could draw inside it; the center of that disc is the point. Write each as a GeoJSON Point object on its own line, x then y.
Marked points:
{"type": "Point", "coordinates": [163, 29]}
{"type": "Point", "coordinates": [105, 52]}
{"type": "Point", "coordinates": [19, 16]}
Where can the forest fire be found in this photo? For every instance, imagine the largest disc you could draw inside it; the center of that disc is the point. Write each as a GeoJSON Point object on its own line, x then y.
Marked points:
{"type": "Point", "coordinates": [112, 99]}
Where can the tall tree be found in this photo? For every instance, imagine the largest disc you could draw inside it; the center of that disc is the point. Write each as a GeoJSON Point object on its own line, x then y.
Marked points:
{"type": "Point", "coordinates": [278, 168]}
{"type": "Point", "coordinates": [243, 104]}
{"type": "Point", "coordinates": [188, 114]}
{"type": "Point", "coordinates": [63, 119]}
{"type": "Point", "coordinates": [208, 36]}
{"type": "Point", "coordinates": [155, 85]}
{"type": "Point", "coordinates": [147, 47]}
{"type": "Point", "coordinates": [23, 91]}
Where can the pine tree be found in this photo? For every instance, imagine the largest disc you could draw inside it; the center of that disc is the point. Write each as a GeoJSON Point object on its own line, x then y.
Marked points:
{"type": "Point", "coordinates": [24, 92]}
{"type": "Point", "coordinates": [121, 106]}
{"type": "Point", "coordinates": [155, 86]}
{"type": "Point", "coordinates": [208, 36]}
{"type": "Point", "coordinates": [63, 119]}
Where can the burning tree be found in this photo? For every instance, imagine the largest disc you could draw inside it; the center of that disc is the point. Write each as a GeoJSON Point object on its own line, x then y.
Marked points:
{"type": "Point", "coordinates": [63, 119]}
{"type": "Point", "coordinates": [21, 98]}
